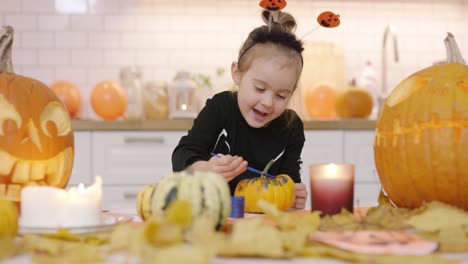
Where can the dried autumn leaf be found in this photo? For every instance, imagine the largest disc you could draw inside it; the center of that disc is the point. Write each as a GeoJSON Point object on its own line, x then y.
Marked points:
{"type": "Point", "coordinates": [343, 221]}
{"type": "Point", "coordinates": [427, 259]}
{"type": "Point", "coordinates": [436, 216]}
{"type": "Point", "coordinates": [386, 216]}
{"type": "Point", "coordinates": [176, 254]}
{"type": "Point", "coordinates": [253, 238]}
{"type": "Point", "coordinates": [451, 239]}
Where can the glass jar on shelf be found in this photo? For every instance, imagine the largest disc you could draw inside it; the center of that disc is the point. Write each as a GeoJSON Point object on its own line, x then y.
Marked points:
{"type": "Point", "coordinates": [130, 79]}
{"type": "Point", "coordinates": [156, 100]}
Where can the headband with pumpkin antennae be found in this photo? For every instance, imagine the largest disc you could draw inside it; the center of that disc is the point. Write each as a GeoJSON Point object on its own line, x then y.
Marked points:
{"type": "Point", "coordinates": [326, 19]}
{"type": "Point", "coordinates": [274, 7]}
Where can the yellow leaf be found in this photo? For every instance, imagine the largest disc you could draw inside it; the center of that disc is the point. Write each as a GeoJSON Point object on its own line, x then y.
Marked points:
{"type": "Point", "coordinates": [437, 216]}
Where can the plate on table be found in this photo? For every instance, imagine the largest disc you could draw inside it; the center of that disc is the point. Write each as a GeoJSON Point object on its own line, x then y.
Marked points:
{"type": "Point", "coordinates": [109, 222]}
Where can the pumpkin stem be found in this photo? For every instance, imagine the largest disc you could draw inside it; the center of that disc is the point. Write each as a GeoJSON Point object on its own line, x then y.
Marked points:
{"type": "Point", "coordinates": [6, 42]}
{"type": "Point", "coordinates": [453, 52]}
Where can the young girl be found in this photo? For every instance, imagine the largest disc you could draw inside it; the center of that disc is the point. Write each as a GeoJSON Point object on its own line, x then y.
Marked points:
{"type": "Point", "coordinates": [252, 125]}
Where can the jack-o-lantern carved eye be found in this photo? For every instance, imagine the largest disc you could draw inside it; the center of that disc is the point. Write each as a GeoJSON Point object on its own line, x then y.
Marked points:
{"type": "Point", "coordinates": [56, 113]}
{"type": "Point", "coordinates": [8, 112]}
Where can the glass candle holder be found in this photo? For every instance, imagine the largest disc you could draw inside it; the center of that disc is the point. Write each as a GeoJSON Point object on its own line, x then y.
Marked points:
{"type": "Point", "coordinates": [332, 187]}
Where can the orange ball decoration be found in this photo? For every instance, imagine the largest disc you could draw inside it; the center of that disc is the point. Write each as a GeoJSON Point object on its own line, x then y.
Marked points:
{"type": "Point", "coordinates": [109, 100]}
{"type": "Point", "coordinates": [69, 95]}
{"type": "Point", "coordinates": [320, 101]}
{"type": "Point", "coordinates": [421, 138]}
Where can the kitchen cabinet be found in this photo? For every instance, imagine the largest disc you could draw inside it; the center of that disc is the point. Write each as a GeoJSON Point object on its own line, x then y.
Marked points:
{"type": "Point", "coordinates": [344, 146]}
{"type": "Point", "coordinates": [359, 150]}
{"type": "Point", "coordinates": [82, 162]}
{"type": "Point", "coordinates": [128, 160]}
{"type": "Point", "coordinates": [321, 146]}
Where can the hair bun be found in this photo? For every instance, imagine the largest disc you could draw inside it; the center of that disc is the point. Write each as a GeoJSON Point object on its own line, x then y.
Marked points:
{"type": "Point", "coordinates": [285, 21]}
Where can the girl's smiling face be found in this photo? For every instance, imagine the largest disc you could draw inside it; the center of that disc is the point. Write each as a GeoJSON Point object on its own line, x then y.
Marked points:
{"type": "Point", "coordinates": [267, 85]}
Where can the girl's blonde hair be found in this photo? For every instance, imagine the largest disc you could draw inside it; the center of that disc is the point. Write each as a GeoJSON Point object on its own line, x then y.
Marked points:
{"type": "Point", "coordinates": [279, 31]}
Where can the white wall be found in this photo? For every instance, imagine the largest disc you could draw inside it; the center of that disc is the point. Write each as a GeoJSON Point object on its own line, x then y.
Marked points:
{"type": "Point", "coordinates": [86, 41]}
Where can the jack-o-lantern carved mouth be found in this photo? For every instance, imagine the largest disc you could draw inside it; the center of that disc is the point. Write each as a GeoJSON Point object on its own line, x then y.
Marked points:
{"type": "Point", "coordinates": [50, 172]}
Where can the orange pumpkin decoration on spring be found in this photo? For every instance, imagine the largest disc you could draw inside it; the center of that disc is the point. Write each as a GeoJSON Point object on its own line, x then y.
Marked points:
{"type": "Point", "coordinates": [109, 100]}
{"type": "Point", "coordinates": [69, 95]}
{"type": "Point", "coordinates": [354, 103]}
{"type": "Point", "coordinates": [328, 19]}
{"type": "Point", "coordinates": [320, 101]}
{"type": "Point", "coordinates": [36, 136]}
{"type": "Point", "coordinates": [421, 136]}
{"type": "Point", "coordinates": [273, 5]}
{"type": "Point", "coordinates": [279, 190]}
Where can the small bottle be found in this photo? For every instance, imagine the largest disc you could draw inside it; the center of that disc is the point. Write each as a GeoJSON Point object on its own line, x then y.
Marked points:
{"type": "Point", "coordinates": [368, 80]}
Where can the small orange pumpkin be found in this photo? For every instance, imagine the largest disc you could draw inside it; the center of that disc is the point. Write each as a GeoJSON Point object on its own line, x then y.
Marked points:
{"type": "Point", "coordinates": [69, 95]}
{"type": "Point", "coordinates": [421, 136]}
{"type": "Point", "coordinates": [354, 103]}
{"type": "Point", "coordinates": [273, 5]}
{"type": "Point", "coordinates": [109, 100]}
{"type": "Point", "coordinates": [279, 190]}
{"type": "Point", "coordinates": [328, 19]}
{"type": "Point", "coordinates": [36, 136]}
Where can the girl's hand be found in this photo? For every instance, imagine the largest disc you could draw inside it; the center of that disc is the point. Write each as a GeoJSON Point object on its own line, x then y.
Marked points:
{"type": "Point", "coordinates": [301, 196]}
{"type": "Point", "coordinates": [225, 165]}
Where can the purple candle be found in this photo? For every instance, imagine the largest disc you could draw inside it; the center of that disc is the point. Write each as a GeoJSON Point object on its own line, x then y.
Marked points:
{"type": "Point", "coordinates": [332, 187]}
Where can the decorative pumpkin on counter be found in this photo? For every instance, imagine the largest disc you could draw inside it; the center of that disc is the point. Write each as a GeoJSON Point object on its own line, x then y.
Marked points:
{"type": "Point", "coordinates": [9, 219]}
{"type": "Point", "coordinates": [69, 95]}
{"type": "Point", "coordinates": [354, 103]}
{"type": "Point", "coordinates": [279, 190]}
{"type": "Point", "coordinates": [206, 191]}
{"type": "Point", "coordinates": [36, 136]}
{"type": "Point", "coordinates": [320, 101]}
{"type": "Point", "coordinates": [421, 136]}
{"type": "Point", "coordinates": [109, 100]}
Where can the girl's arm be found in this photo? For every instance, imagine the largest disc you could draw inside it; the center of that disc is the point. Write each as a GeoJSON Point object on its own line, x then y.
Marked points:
{"type": "Point", "coordinates": [197, 144]}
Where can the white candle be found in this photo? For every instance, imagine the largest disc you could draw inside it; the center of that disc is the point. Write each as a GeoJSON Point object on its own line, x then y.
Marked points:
{"type": "Point", "coordinates": [332, 187]}
{"type": "Point", "coordinates": [54, 207]}
{"type": "Point", "coordinates": [83, 205]}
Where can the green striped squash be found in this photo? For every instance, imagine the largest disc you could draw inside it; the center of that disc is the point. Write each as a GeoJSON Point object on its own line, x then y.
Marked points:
{"type": "Point", "coordinates": [205, 190]}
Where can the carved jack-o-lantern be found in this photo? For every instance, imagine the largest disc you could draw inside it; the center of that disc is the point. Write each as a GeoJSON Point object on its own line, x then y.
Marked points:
{"type": "Point", "coordinates": [421, 138]}
{"type": "Point", "coordinates": [36, 137]}
{"type": "Point", "coordinates": [328, 19]}
{"type": "Point", "coordinates": [273, 5]}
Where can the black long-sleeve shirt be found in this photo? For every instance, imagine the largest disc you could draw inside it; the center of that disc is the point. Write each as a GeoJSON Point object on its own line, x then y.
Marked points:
{"type": "Point", "coordinates": [221, 128]}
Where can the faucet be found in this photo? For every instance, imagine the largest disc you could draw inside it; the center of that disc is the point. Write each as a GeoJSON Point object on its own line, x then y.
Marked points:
{"type": "Point", "coordinates": [390, 31]}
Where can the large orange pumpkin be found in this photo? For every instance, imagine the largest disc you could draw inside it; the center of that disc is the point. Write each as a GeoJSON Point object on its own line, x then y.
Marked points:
{"type": "Point", "coordinates": [36, 136]}
{"type": "Point", "coordinates": [421, 137]}
{"type": "Point", "coordinates": [69, 95]}
{"type": "Point", "coordinates": [320, 101]}
{"type": "Point", "coordinates": [279, 190]}
{"type": "Point", "coordinates": [109, 100]}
